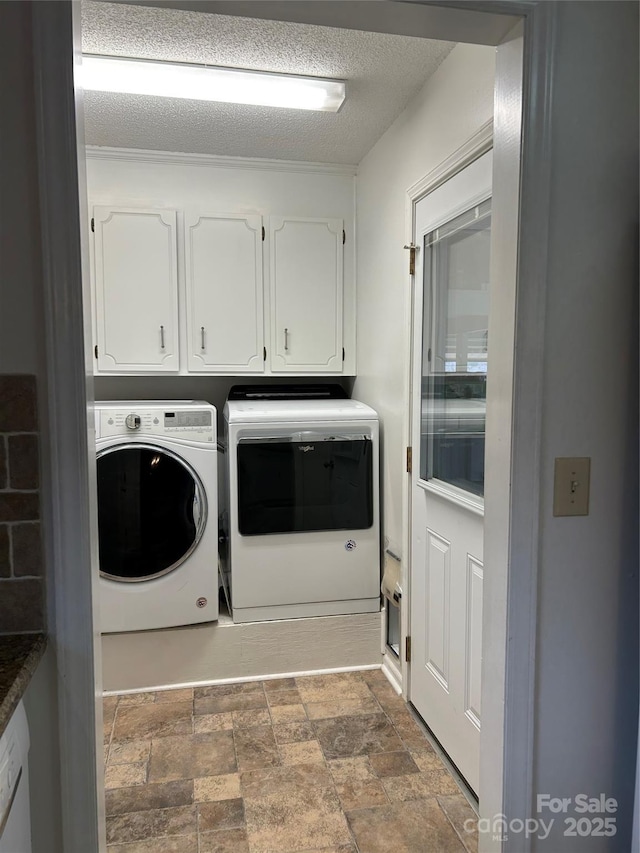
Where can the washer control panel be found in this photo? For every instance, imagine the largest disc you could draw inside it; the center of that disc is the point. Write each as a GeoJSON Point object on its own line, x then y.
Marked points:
{"type": "Point", "coordinates": [189, 424]}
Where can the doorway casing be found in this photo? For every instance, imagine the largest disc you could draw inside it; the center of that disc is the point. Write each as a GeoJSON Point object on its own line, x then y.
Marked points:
{"type": "Point", "coordinates": [521, 142]}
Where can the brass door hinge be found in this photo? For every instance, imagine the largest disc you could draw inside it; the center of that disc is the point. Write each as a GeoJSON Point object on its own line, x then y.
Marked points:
{"type": "Point", "coordinates": [412, 258]}
{"type": "Point", "coordinates": [409, 459]}
{"type": "Point", "coordinates": [407, 649]}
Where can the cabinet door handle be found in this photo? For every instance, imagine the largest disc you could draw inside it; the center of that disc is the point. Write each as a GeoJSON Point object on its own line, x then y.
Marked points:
{"type": "Point", "coordinates": [286, 340]}
{"type": "Point", "coordinates": [161, 337]}
{"type": "Point", "coordinates": [202, 337]}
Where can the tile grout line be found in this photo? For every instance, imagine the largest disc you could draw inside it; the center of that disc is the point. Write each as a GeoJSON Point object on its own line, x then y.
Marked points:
{"type": "Point", "coordinates": [193, 781]}
{"type": "Point", "coordinates": [7, 469]}
{"type": "Point", "coordinates": [333, 781]}
{"type": "Point", "coordinates": [195, 804]}
{"type": "Point", "coordinates": [113, 727]}
{"type": "Point", "coordinates": [106, 764]}
{"type": "Point", "coordinates": [12, 569]}
{"type": "Point", "coordinates": [455, 829]}
{"type": "Point", "coordinates": [235, 755]}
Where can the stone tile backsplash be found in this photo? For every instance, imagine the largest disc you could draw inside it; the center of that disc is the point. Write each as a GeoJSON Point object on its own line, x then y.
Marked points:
{"type": "Point", "coordinates": [21, 575]}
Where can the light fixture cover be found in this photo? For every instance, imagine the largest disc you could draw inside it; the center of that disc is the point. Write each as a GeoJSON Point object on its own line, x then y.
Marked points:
{"type": "Point", "coordinates": [210, 83]}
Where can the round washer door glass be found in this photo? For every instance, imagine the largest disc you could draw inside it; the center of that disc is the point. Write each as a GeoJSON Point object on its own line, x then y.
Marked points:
{"type": "Point", "coordinates": [151, 511]}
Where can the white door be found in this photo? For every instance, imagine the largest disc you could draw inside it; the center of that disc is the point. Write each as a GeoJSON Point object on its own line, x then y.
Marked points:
{"type": "Point", "coordinates": [136, 288]}
{"type": "Point", "coordinates": [306, 294]}
{"type": "Point", "coordinates": [451, 308]}
{"type": "Point", "coordinates": [224, 293]}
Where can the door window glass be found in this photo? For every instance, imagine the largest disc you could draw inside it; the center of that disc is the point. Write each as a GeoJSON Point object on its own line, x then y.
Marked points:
{"type": "Point", "coordinates": [454, 356]}
{"type": "Point", "coordinates": [293, 486]}
{"type": "Point", "coordinates": [151, 512]}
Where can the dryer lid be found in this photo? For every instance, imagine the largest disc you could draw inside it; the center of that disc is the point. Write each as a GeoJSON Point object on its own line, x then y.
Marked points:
{"type": "Point", "coordinates": [297, 411]}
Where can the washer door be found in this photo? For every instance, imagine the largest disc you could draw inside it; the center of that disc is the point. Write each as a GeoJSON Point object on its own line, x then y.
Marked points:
{"type": "Point", "coordinates": [151, 511]}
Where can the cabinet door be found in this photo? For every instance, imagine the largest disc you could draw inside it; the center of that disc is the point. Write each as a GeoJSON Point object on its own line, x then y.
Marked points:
{"type": "Point", "coordinates": [306, 294]}
{"type": "Point", "coordinates": [224, 293]}
{"type": "Point", "coordinates": [136, 289]}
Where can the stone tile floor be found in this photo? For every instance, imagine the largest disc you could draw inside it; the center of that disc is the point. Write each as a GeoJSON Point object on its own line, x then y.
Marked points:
{"type": "Point", "coordinates": [331, 763]}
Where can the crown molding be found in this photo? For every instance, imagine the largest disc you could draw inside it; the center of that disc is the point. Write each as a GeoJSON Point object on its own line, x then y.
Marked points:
{"type": "Point", "coordinates": [169, 158]}
{"type": "Point", "coordinates": [474, 147]}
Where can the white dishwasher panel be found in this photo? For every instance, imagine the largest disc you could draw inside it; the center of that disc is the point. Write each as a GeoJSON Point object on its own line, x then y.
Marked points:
{"type": "Point", "coordinates": [15, 821]}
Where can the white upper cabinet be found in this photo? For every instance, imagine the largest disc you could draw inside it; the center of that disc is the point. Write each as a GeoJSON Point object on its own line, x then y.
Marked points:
{"type": "Point", "coordinates": [306, 294]}
{"type": "Point", "coordinates": [222, 266]}
{"type": "Point", "coordinates": [136, 290]}
{"type": "Point", "coordinates": [224, 293]}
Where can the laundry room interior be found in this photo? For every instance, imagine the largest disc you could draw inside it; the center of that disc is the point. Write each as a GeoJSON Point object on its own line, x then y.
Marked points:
{"type": "Point", "coordinates": [251, 315]}
{"type": "Point", "coordinates": [151, 701]}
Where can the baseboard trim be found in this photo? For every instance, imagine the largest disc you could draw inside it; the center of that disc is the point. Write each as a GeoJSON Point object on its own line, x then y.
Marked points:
{"type": "Point", "coordinates": [213, 682]}
{"type": "Point", "coordinates": [217, 654]}
{"type": "Point", "coordinates": [392, 675]}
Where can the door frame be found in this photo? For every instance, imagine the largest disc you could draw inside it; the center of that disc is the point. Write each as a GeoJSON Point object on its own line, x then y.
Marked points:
{"type": "Point", "coordinates": [72, 512]}
{"type": "Point", "coordinates": [521, 97]}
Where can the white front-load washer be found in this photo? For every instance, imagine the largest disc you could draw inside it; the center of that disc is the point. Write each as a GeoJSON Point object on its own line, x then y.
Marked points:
{"type": "Point", "coordinates": [304, 519]}
{"type": "Point", "coordinates": [157, 514]}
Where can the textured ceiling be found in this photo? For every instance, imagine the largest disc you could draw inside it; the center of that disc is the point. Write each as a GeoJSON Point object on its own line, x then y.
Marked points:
{"type": "Point", "coordinates": [382, 72]}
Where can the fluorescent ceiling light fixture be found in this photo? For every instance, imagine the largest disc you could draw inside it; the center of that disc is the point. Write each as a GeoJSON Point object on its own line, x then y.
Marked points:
{"type": "Point", "coordinates": [210, 83]}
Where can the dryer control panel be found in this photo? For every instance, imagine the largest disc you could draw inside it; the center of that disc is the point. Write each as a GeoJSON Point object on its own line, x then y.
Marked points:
{"type": "Point", "coordinates": [187, 424]}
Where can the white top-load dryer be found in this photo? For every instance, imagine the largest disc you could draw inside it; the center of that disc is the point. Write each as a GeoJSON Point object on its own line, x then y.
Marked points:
{"type": "Point", "coordinates": [157, 513]}
{"type": "Point", "coordinates": [303, 493]}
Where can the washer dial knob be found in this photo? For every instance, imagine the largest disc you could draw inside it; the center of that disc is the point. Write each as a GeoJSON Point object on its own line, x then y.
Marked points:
{"type": "Point", "coordinates": [133, 421]}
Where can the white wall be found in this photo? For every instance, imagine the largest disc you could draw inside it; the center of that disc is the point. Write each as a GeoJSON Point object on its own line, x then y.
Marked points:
{"type": "Point", "coordinates": [451, 107]}
{"type": "Point", "coordinates": [586, 700]}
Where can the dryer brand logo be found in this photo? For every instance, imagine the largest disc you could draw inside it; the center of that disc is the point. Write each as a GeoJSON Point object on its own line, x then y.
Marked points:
{"type": "Point", "coordinates": [305, 448]}
{"type": "Point", "coordinates": [350, 545]}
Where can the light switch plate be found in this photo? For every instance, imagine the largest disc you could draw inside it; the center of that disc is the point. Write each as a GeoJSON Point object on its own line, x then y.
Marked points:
{"type": "Point", "coordinates": [571, 485]}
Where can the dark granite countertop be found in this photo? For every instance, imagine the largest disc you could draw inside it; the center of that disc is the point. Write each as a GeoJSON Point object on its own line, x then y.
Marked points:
{"type": "Point", "coordinates": [19, 657]}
